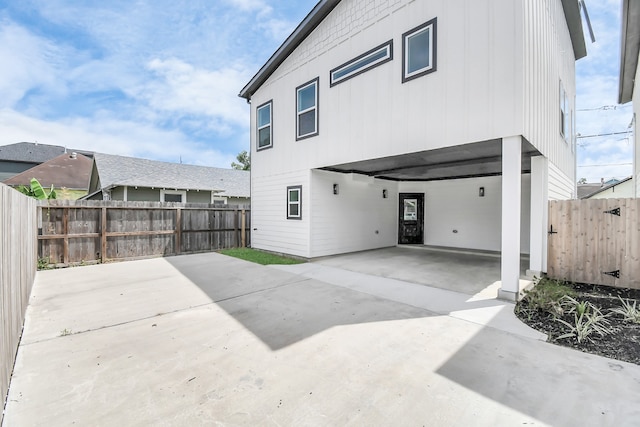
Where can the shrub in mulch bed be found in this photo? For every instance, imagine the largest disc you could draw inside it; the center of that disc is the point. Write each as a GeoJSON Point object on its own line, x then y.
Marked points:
{"type": "Point", "coordinates": [595, 319]}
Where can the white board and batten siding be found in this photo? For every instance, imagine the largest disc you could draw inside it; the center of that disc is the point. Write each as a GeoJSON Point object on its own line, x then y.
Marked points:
{"type": "Point", "coordinates": [271, 230]}
{"type": "Point", "coordinates": [548, 61]}
{"type": "Point", "coordinates": [357, 218]}
{"type": "Point", "coordinates": [636, 132]}
{"type": "Point", "coordinates": [456, 216]}
{"type": "Point", "coordinates": [476, 94]}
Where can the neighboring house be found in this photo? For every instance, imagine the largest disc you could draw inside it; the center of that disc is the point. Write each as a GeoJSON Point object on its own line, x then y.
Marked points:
{"type": "Point", "coordinates": [19, 157]}
{"type": "Point", "coordinates": [617, 190]}
{"type": "Point", "coordinates": [444, 123]}
{"type": "Point", "coordinates": [630, 75]}
{"type": "Point", "coordinates": [134, 179]}
{"type": "Point", "coordinates": [68, 173]}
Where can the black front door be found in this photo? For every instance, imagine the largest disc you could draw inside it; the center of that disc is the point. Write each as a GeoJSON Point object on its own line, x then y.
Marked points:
{"type": "Point", "coordinates": [411, 218]}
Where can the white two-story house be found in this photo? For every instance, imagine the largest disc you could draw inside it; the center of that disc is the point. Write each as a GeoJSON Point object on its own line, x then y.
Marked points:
{"type": "Point", "coordinates": [446, 123]}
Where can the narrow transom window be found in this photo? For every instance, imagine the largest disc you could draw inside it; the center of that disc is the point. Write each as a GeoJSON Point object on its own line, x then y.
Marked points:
{"type": "Point", "coordinates": [263, 121]}
{"type": "Point", "coordinates": [307, 109]}
{"type": "Point", "coordinates": [368, 60]}
{"type": "Point", "coordinates": [419, 51]}
{"type": "Point", "coordinates": [294, 202]}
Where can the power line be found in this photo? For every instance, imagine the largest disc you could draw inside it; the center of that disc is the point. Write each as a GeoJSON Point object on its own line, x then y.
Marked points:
{"type": "Point", "coordinates": [605, 164]}
{"type": "Point", "coordinates": [602, 134]}
{"type": "Point", "coordinates": [605, 107]}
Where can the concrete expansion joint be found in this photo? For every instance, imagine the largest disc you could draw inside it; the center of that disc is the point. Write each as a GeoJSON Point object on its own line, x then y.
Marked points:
{"type": "Point", "coordinates": [297, 282]}
{"type": "Point", "coordinates": [128, 322]}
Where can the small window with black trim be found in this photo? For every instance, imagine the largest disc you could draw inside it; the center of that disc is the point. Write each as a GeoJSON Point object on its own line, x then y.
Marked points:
{"type": "Point", "coordinates": [419, 50]}
{"type": "Point", "coordinates": [307, 109]}
{"type": "Point", "coordinates": [368, 60]}
{"type": "Point", "coordinates": [264, 118]}
{"type": "Point", "coordinates": [294, 202]}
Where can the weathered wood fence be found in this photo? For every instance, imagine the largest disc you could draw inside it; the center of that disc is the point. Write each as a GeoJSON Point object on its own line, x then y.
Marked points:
{"type": "Point", "coordinates": [18, 260]}
{"type": "Point", "coordinates": [75, 232]}
{"type": "Point", "coordinates": [595, 241]}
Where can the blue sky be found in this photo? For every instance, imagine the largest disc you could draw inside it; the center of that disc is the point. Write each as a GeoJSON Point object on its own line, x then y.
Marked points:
{"type": "Point", "coordinates": [159, 79]}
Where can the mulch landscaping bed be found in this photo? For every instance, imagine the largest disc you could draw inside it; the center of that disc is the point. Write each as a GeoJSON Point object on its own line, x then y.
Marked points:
{"type": "Point", "coordinates": [623, 343]}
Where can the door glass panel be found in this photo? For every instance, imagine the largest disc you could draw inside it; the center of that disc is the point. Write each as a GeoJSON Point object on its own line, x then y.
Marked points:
{"type": "Point", "coordinates": [410, 209]}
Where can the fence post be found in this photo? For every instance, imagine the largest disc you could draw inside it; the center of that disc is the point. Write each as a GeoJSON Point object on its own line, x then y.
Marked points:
{"type": "Point", "coordinates": [103, 236]}
{"type": "Point", "coordinates": [65, 232]}
{"type": "Point", "coordinates": [178, 231]}
{"type": "Point", "coordinates": [243, 235]}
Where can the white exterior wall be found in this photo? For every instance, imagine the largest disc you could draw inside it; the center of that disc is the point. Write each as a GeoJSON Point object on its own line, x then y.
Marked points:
{"type": "Point", "coordinates": [476, 93]}
{"type": "Point", "coordinates": [499, 66]}
{"type": "Point", "coordinates": [357, 218]}
{"type": "Point", "coordinates": [561, 186]}
{"type": "Point", "coordinates": [271, 230]}
{"type": "Point", "coordinates": [636, 148]}
{"type": "Point", "coordinates": [548, 59]}
{"type": "Point", "coordinates": [455, 205]}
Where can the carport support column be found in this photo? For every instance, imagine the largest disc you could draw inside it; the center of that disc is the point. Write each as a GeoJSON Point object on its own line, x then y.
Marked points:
{"type": "Point", "coordinates": [511, 194]}
{"type": "Point", "coordinates": [539, 214]}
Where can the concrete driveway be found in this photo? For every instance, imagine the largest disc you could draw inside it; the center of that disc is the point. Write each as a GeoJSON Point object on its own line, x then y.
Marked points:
{"type": "Point", "coordinates": [211, 340]}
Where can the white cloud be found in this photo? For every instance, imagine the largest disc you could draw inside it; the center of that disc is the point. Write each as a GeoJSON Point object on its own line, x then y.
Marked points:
{"type": "Point", "coordinates": [26, 62]}
{"type": "Point", "coordinates": [113, 136]}
{"type": "Point", "coordinates": [184, 89]}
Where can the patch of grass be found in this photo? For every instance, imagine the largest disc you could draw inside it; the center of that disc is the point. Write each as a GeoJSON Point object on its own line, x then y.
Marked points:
{"type": "Point", "coordinates": [65, 332]}
{"type": "Point", "coordinates": [43, 264]}
{"type": "Point", "coordinates": [547, 296]}
{"type": "Point", "coordinates": [259, 257]}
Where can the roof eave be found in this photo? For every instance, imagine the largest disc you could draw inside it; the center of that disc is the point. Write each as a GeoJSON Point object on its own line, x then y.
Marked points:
{"type": "Point", "coordinates": [629, 50]}
{"type": "Point", "coordinates": [574, 23]}
{"type": "Point", "coordinates": [310, 22]}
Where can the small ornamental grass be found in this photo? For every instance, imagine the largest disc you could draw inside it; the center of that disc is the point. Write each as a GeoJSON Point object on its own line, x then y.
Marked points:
{"type": "Point", "coordinates": [630, 312]}
{"type": "Point", "coordinates": [587, 320]}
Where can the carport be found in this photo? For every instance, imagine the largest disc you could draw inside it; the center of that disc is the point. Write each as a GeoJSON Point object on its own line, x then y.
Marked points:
{"type": "Point", "coordinates": [518, 223]}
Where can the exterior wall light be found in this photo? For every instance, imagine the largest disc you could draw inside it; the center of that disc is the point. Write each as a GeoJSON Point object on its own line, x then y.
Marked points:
{"type": "Point", "coordinates": [481, 192]}
{"type": "Point", "coordinates": [384, 193]}
{"type": "Point", "coordinates": [336, 189]}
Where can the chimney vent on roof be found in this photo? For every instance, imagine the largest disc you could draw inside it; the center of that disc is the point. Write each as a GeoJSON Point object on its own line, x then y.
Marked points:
{"type": "Point", "coordinates": [601, 182]}
{"type": "Point", "coordinates": [73, 155]}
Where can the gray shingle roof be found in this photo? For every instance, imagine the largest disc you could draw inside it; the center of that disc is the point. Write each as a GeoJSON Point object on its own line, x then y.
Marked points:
{"type": "Point", "coordinates": [132, 172]}
{"type": "Point", "coordinates": [32, 152]}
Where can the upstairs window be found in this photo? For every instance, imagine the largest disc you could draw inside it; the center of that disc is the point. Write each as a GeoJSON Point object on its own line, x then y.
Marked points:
{"type": "Point", "coordinates": [564, 114]}
{"type": "Point", "coordinates": [263, 121]}
{"type": "Point", "coordinates": [368, 60]}
{"type": "Point", "coordinates": [419, 51]}
{"type": "Point", "coordinates": [307, 110]}
{"type": "Point", "coordinates": [294, 202]}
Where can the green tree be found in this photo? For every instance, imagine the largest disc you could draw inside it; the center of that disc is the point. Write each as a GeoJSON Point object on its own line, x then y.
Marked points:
{"type": "Point", "coordinates": [36, 191]}
{"type": "Point", "coordinates": [244, 161]}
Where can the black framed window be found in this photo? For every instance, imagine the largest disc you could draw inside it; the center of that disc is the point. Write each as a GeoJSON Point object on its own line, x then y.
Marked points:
{"type": "Point", "coordinates": [368, 60]}
{"type": "Point", "coordinates": [419, 50]}
{"type": "Point", "coordinates": [264, 119]}
{"type": "Point", "coordinates": [294, 202]}
{"type": "Point", "coordinates": [307, 109]}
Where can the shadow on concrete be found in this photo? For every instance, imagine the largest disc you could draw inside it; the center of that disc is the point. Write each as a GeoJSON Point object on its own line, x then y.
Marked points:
{"type": "Point", "coordinates": [558, 386]}
{"type": "Point", "coordinates": [281, 308]}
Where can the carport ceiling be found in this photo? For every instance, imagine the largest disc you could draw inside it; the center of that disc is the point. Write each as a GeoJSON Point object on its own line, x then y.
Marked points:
{"type": "Point", "coordinates": [462, 161]}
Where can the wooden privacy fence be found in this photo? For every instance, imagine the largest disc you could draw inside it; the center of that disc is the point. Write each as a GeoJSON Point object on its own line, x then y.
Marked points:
{"type": "Point", "coordinates": [72, 232]}
{"type": "Point", "coordinates": [595, 241]}
{"type": "Point", "coordinates": [18, 259]}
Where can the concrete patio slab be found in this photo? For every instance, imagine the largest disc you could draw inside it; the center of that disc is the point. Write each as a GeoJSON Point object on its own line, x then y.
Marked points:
{"type": "Point", "coordinates": [210, 340]}
{"type": "Point", "coordinates": [467, 272]}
